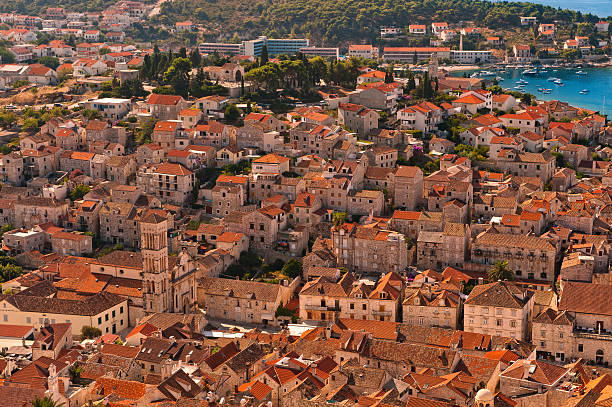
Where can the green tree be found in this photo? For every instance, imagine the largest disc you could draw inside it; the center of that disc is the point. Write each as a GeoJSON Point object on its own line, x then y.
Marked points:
{"type": "Point", "coordinates": [9, 272]}
{"type": "Point", "coordinates": [338, 218]}
{"type": "Point", "coordinates": [6, 56]}
{"type": "Point", "coordinates": [292, 269]}
{"type": "Point", "coordinates": [90, 332]}
{"type": "Point", "coordinates": [46, 402]}
{"type": "Point", "coordinates": [6, 228]}
{"type": "Point", "coordinates": [177, 75]}
{"type": "Point", "coordinates": [232, 113]}
{"type": "Point", "coordinates": [79, 192]}
{"type": "Point", "coordinates": [30, 124]}
{"type": "Point", "coordinates": [195, 58]}
{"type": "Point", "coordinates": [250, 260]}
{"type": "Point", "coordinates": [51, 62]}
{"type": "Point", "coordinates": [500, 271]}
{"type": "Point", "coordinates": [143, 136]}
{"type": "Point", "coordinates": [263, 57]}
{"type": "Point", "coordinates": [75, 373]}
{"type": "Point", "coordinates": [389, 75]}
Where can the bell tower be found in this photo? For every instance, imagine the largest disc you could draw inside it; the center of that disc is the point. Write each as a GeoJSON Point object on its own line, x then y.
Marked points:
{"type": "Point", "coordinates": [154, 247]}
{"type": "Point", "coordinates": [433, 66]}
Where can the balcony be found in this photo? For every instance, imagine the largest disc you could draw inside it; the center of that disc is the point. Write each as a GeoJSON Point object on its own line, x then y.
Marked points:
{"type": "Point", "coordinates": [592, 333]}
{"type": "Point", "coordinates": [382, 313]}
{"type": "Point", "coordinates": [309, 307]}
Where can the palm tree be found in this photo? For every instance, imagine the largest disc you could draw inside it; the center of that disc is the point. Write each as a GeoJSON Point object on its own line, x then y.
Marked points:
{"type": "Point", "coordinates": [500, 271]}
{"type": "Point", "coordinates": [45, 402]}
{"type": "Point", "coordinates": [75, 373]}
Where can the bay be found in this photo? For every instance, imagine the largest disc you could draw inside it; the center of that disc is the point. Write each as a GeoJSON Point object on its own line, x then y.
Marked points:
{"type": "Point", "coordinates": [597, 81]}
{"type": "Point", "coordinates": [601, 8]}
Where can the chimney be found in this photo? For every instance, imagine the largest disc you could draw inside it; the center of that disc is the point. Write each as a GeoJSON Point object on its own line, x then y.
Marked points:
{"type": "Point", "coordinates": [526, 366]}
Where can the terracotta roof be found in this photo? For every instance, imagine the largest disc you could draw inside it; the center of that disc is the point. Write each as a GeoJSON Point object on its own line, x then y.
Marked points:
{"type": "Point", "coordinates": [239, 289]}
{"type": "Point", "coordinates": [229, 237]}
{"type": "Point", "coordinates": [172, 169]}
{"type": "Point", "coordinates": [490, 240]}
{"type": "Point", "coordinates": [14, 331]}
{"type": "Point", "coordinates": [166, 126]}
{"type": "Point", "coordinates": [469, 99]}
{"type": "Point", "coordinates": [586, 298]}
{"type": "Point", "coordinates": [538, 371]}
{"type": "Point", "coordinates": [502, 294]}
{"type": "Point", "coordinates": [125, 389]}
{"type": "Point", "coordinates": [271, 159]}
{"type": "Point", "coordinates": [169, 100]}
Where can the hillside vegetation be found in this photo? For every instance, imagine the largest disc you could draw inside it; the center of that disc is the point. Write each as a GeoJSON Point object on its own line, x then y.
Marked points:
{"type": "Point", "coordinates": [334, 22]}
{"type": "Point", "coordinates": [38, 7]}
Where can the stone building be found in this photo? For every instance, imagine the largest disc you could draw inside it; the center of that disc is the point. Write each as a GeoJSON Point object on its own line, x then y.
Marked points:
{"type": "Point", "coordinates": [170, 182]}
{"type": "Point", "coordinates": [241, 301]}
{"type": "Point", "coordinates": [580, 328]}
{"type": "Point", "coordinates": [367, 249]}
{"type": "Point", "coordinates": [500, 308]}
{"type": "Point", "coordinates": [428, 306]}
{"type": "Point", "coordinates": [324, 300]}
{"type": "Point", "coordinates": [529, 256]}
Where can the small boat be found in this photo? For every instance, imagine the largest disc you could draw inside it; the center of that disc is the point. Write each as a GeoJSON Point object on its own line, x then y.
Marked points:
{"type": "Point", "coordinates": [581, 73]}
{"type": "Point", "coordinates": [584, 91]}
{"type": "Point", "coordinates": [530, 72]}
{"type": "Point", "coordinates": [519, 87]}
{"type": "Point", "coordinates": [552, 79]}
{"type": "Point", "coordinates": [558, 81]}
{"type": "Point", "coordinates": [499, 78]}
{"type": "Point", "coordinates": [546, 91]}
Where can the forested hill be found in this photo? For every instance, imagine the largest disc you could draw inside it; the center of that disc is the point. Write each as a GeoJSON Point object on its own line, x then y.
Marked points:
{"type": "Point", "coordinates": [333, 22]}
{"type": "Point", "coordinates": [38, 7]}
{"type": "Point", "coordinates": [326, 22]}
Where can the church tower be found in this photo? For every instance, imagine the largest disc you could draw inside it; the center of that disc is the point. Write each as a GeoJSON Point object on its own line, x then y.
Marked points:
{"type": "Point", "coordinates": [433, 66]}
{"type": "Point", "coordinates": [154, 247]}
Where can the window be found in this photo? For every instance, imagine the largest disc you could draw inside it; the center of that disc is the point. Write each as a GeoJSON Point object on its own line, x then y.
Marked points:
{"type": "Point", "coordinates": [365, 307]}
{"type": "Point", "coordinates": [513, 324]}
{"type": "Point", "coordinates": [580, 347]}
{"type": "Point", "coordinates": [106, 317]}
{"type": "Point", "coordinates": [99, 320]}
{"type": "Point", "coordinates": [121, 309]}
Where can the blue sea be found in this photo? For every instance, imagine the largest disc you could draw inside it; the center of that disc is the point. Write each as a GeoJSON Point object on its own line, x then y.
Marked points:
{"type": "Point", "coordinates": [602, 8]}
{"type": "Point", "coordinates": [598, 81]}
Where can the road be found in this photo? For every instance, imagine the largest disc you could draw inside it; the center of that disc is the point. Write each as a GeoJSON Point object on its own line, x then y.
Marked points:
{"type": "Point", "coordinates": [156, 9]}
